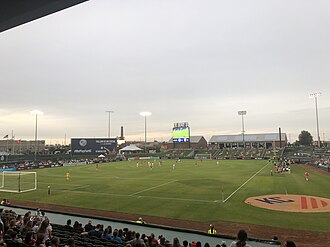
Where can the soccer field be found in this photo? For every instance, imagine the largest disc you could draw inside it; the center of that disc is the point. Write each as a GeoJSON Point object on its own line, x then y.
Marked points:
{"type": "Point", "coordinates": [190, 191]}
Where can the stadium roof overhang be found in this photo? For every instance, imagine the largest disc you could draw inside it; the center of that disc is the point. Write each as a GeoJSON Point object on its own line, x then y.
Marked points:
{"type": "Point", "coordinates": [17, 12]}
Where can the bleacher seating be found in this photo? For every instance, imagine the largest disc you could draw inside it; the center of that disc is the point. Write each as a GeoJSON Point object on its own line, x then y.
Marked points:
{"type": "Point", "coordinates": [81, 238]}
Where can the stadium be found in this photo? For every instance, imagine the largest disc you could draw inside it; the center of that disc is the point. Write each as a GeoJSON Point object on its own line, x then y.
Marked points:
{"type": "Point", "coordinates": [227, 188]}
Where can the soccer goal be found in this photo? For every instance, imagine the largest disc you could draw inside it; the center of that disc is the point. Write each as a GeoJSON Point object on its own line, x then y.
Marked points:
{"type": "Point", "coordinates": [203, 156]}
{"type": "Point", "coordinates": [18, 182]}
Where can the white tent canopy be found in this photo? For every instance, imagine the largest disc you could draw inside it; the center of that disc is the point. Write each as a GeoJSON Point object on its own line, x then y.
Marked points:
{"type": "Point", "coordinates": [101, 156]}
{"type": "Point", "coordinates": [130, 148]}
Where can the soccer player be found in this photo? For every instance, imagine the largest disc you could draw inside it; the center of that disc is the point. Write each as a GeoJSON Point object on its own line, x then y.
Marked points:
{"type": "Point", "coordinates": [173, 166]}
{"type": "Point", "coordinates": [67, 175]}
{"type": "Point", "coordinates": [306, 175]}
{"type": "Point", "coordinates": [97, 166]}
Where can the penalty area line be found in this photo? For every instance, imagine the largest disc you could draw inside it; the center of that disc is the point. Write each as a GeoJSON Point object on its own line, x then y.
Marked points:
{"type": "Point", "coordinates": [154, 187]}
{"type": "Point", "coordinates": [244, 183]}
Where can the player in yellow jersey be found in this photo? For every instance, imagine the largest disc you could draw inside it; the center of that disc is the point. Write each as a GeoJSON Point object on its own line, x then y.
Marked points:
{"type": "Point", "coordinates": [67, 175]}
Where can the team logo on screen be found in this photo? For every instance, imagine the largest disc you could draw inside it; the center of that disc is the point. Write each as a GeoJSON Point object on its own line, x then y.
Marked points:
{"type": "Point", "coordinates": [83, 142]}
{"type": "Point", "coordinates": [291, 203]}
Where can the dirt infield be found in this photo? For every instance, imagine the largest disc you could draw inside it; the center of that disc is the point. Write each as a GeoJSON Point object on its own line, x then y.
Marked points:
{"type": "Point", "coordinates": [301, 238]}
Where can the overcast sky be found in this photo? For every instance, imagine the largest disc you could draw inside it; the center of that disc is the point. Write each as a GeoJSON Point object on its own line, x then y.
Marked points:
{"type": "Point", "coordinates": [183, 60]}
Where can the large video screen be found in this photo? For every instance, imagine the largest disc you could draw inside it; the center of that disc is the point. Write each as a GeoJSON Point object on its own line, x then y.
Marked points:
{"type": "Point", "coordinates": [181, 134]}
{"type": "Point", "coordinates": [93, 146]}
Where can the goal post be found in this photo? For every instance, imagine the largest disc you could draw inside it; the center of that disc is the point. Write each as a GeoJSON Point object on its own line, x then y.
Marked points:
{"type": "Point", "coordinates": [18, 181]}
{"type": "Point", "coordinates": [203, 156]}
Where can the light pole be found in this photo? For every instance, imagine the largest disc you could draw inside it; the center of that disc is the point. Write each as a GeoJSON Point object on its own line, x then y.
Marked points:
{"type": "Point", "coordinates": [145, 114]}
{"type": "Point", "coordinates": [109, 130]}
{"type": "Point", "coordinates": [36, 146]}
{"type": "Point", "coordinates": [315, 95]}
{"type": "Point", "coordinates": [242, 113]}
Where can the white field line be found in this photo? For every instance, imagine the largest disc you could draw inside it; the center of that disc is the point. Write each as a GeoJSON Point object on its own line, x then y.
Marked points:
{"type": "Point", "coordinates": [125, 195]}
{"type": "Point", "coordinates": [80, 187]}
{"type": "Point", "coordinates": [244, 183]}
{"type": "Point", "coordinates": [154, 187]}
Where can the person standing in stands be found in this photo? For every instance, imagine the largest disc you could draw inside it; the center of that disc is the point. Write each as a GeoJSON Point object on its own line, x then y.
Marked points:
{"type": "Point", "coordinates": [212, 230]}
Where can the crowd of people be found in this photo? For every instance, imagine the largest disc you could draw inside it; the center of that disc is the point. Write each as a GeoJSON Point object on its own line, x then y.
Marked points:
{"type": "Point", "coordinates": [35, 229]}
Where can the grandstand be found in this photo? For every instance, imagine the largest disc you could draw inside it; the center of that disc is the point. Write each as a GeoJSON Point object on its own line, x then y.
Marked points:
{"type": "Point", "coordinates": [270, 140]}
{"type": "Point", "coordinates": [82, 237]}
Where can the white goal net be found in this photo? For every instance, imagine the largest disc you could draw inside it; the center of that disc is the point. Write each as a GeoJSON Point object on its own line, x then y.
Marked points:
{"type": "Point", "coordinates": [18, 181]}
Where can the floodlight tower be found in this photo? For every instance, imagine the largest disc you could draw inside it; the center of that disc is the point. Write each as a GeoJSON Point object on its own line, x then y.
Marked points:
{"type": "Point", "coordinates": [242, 113]}
{"type": "Point", "coordinates": [315, 96]}
{"type": "Point", "coordinates": [36, 146]}
{"type": "Point", "coordinates": [109, 122]}
{"type": "Point", "coordinates": [145, 114]}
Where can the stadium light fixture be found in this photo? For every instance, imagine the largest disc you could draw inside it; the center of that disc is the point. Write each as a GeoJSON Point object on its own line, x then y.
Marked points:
{"type": "Point", "coordinates": [145, 114]}
{"type": "Point", "coordinates": [109, 122]}
{"type": "Point", "coordinates": [315, 96]}
{"type": "Point", "coordinates": [36, 146]}
{"type": "Point", "coordinates": [242, 113]}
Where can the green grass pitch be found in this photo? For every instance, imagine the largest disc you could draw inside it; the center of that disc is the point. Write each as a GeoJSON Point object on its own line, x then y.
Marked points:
{"type": "Point", "coordinates": [191, 191]}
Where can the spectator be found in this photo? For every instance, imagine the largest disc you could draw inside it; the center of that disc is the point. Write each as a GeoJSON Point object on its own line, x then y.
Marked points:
{"type": "Point", "coordinates": [96, 232]}
{"type": "Point", "coordinates": [129, 236]}
{"type": "Point", "coordinates": [55, 242]}
{"type": "Point", "coordinates": [176, 243]}
{"type": "Point", "coordinates": [223, 243]}
{"type": "Point", "coordinates": [207, 244]}
{"type": "Point", "coordinates": [137, 240]}
{"type": "Point", "coordinates": [121, 234]}
{"type": "Point", "coordinates": [185, 243]}
{"type": "Point", "coordinates": [40, 240]}
{"type": "Point", "coordinates": [192, 244]}
{"type": "Point", "coordinates": [45, 230]}
{"type": "Point", "coordinates": [289, 243]}
{"type": "Point", "coordinates": [13, 240]}
{"type": "Point", "coordinates": [28, 240]}
{"type": "Point", "coordinates": [68, 226]}
{"type": "Point", "coordinates": [77, 227]}
{"type": "Point", "coordinates": [88, 227]}
{"type": "Point", "coordinates": [71, 243]}
{"type": "Point", "coordinates": [106, 235]}
{"type": "Point", "coordinates": [162, 242]}
{"type": "Point", "coordinates": [241, 240]}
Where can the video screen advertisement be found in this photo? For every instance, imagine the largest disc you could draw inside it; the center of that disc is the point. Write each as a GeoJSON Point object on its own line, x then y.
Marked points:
{"type": "Point", "coordinates": [92, 146]}
{"type": "Point", "coordinates": [181, 134]}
